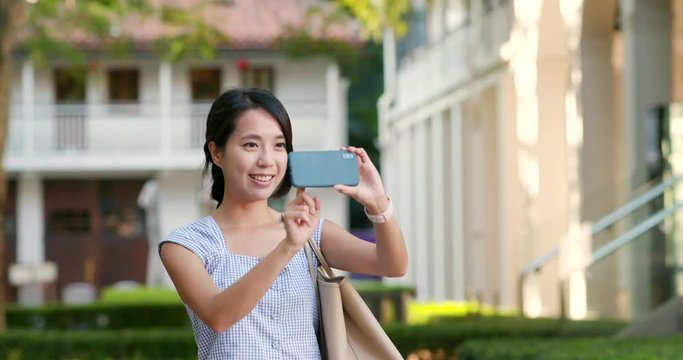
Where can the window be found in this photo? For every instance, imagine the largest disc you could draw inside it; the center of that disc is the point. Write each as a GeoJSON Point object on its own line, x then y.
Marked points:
{"type": "Point", "coordinates": [123, 85]}
{"type": "Point", "coordinates": [69, 222]}
{"type": "Point", "coordinates": [69, 85]}
{"type": "Point", "coordinates": [126, 222]}
{"type": "Point", "coordinates": [205, 84]}
{"type": "Point", "coordinates": [69, 113]}
{"type": "Point", "coordinates": [262, 77]}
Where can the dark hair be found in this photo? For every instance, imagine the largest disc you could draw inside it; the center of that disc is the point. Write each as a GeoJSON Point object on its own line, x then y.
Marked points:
{"type": "Point", "coordinates": [222, 121]}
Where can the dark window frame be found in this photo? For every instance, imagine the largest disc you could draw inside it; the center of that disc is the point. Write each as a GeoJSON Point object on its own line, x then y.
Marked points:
{"type": "Point", "coordinates": [205, 83]}
{"type": "Point", "coordinates": [123, 85]}
{"type": "Point", "coordinates": [259, 76]}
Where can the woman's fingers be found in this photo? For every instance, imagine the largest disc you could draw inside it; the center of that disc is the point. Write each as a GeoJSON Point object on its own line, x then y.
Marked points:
{"type": "Point", "coordinates": [346, 190]}
{"type": "Point", "coordinates": [316, 201]}
{"type": "Point", "coordinates": [302, 198]}
{"type": "Point", "coordinates": [308, 200]}
{"type": "Point", "coordinates": [361, 155]}
{"type": "Point", "coordinates": [299, 215]}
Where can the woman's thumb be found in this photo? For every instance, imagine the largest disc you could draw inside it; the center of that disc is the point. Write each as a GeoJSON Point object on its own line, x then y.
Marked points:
{"type": "Point", "coordinates": [346, 190]}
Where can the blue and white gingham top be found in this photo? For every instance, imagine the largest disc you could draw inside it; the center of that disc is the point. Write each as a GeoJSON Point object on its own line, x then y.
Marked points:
{"type": "Point", "coordinates": [283, 324]}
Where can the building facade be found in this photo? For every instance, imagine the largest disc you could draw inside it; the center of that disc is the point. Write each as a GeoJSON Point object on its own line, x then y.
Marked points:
{"type": "Point", "coordinates": [508, 127]}
{"type": "Point", "coordinates": [106, 158]}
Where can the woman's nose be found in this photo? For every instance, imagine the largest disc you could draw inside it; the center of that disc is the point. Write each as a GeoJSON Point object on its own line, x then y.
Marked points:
{"type": "Point", "coordinates": [265, 159]}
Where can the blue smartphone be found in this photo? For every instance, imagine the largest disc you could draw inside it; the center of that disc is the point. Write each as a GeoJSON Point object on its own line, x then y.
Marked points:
{"type": "Point", "coordinates": [322, 168]}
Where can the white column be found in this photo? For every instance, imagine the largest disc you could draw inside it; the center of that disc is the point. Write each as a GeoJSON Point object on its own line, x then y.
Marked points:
{"type": "Point", "coordinates": [406, 198]}
{"type": "Point", "coordinates": [178, 199]}
{"type": "Point", "coordinates": [28, 105]}
{"type": "Point", "coordinates": [391, 178]}
{"type": "Point", "coordinates": [456, 219]}
{"type": "Point", "coordinates": [647, 81]}
{"type": "Point", "coordinates": [510, 194]}
{"type": "Point", "coordinates": [436, 175]}
{"type": "Point", "coordinates": [30, 232]}
{"type": "Point", "coordinates": [335, 137]}
{"type": "Point", "coordinates": [165, 102]}
{"type": "Point", "coordinates": [421, 216]}
{"type": "Point", "coordinates": [230, 76]}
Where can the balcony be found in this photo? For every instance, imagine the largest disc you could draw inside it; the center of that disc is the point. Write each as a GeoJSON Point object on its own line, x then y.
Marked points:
{"type": "Point", "coordinates": [127, 137]}
{"type": "Point", "coordinates": [467, 51]}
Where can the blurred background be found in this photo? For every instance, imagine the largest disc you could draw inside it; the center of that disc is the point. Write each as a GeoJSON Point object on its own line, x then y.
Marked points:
{"type": "Point", "coordinates": [532, 149]}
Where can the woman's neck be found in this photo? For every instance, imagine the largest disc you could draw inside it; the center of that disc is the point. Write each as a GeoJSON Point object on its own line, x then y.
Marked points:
{"type": "Point", "coordinates": [244, 215]}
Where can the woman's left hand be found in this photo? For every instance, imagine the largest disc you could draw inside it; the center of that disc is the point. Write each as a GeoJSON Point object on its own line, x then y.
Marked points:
{"type": "Point", "coordinates": [370, 190]}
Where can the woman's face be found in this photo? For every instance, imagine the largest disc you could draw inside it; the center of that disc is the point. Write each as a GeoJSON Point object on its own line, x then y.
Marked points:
{"type": "Point", "coordinates": [254, 160]}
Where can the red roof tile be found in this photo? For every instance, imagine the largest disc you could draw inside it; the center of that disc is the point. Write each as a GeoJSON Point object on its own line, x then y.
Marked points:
{"type": "Point", "coordinates": [248, 24]}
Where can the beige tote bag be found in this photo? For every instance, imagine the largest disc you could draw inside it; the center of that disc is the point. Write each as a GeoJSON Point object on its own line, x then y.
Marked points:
{"type": "Point", "coordinates": [348, 327]}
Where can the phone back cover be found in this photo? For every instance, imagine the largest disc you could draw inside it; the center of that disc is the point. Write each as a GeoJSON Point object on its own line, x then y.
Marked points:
{"type": "Point", "coordinates": [323, 168]}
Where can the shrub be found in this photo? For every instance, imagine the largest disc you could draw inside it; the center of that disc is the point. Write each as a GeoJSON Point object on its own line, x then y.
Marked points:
{"type": "Point", "coordinates": [582, 348]}
{"type": "Point", "coordinates": [447, 335]}
{"type": "Point", "coordinates": [98, 316]}
{"type": "Point", "coordinates": [98, 345]}
{"type": "Point", "coordinates": [139, 295]}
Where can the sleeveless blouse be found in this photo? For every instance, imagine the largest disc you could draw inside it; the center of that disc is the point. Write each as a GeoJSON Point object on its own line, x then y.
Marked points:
{"type": "Point", "coordinates": [283, 325]}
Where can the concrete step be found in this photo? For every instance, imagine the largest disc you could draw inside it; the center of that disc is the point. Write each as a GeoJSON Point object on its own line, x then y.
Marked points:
{"type": "Point", "coordinates": [667, 319]}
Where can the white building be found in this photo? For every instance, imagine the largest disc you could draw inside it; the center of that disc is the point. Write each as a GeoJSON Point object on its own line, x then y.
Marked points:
{"type": "Point", "coordinates": [507, 126]}
{"type": "Point", "coordinates": [83, 142]}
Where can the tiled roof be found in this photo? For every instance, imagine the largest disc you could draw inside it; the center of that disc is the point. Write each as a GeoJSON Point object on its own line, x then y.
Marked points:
{"type": "Point", "coordinates": [248, 24]}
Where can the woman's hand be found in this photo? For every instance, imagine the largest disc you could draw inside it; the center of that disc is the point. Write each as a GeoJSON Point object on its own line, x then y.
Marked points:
{"type": "Point", "coordinates": [370, 190]}
{"type": "Point", "coordinates": [301, 218]}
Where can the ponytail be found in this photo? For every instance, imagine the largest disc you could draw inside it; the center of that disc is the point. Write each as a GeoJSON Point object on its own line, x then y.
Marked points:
{"type": "Point", "coordinates": [218, 187]}
{"type": "Point", "coordinates": [218, 183]}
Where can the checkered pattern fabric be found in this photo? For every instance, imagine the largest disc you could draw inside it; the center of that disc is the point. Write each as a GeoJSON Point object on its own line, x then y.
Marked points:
{"type": "Point", "coordinates": [283, 324]}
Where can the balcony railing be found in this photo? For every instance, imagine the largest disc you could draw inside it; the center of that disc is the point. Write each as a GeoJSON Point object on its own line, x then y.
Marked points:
{"type": "Point", "coordinates": [450, 62]}
{"type": "Point", "coordinates": [131, 129]}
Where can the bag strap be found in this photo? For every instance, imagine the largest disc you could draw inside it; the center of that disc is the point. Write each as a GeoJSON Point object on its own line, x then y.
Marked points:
{"type": "Point", "coordinates": [311, 267]}
{"type": "Point", "coordinates": [321, 258]}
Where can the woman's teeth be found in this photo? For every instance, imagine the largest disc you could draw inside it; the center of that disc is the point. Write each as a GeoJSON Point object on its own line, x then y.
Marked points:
{"type": "Point", "coordinates": [262, 178]}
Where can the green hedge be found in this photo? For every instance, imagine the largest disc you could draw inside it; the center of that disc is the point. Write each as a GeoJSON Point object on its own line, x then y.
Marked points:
{"type": "Point", "coordinates": [148, 307]}
{"type": "Point", "coordinates": [595, 348]}
{"type": "Point", "coordinates": [448, 335]}
{"type": "Point", "coordinates": [168, 343]}
{"type": "Point", "coordinates": [143, 294]}
{"type": "Point", "coordinates": [98, 316]}
{"type": "Point", "coordinates": [179, 344]}
{"type": "Point", "coordinates": [98, 345]}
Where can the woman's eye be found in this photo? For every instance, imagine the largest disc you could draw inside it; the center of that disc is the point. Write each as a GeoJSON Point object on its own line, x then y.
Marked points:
{"type": "Point", "coordinates": [281, 145]}
{"type": "Point", "coordinates": [250, 145]}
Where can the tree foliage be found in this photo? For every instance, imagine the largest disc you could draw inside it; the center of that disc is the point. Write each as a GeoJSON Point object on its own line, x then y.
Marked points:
{"type": "Point", "coordinates": [64, 28]}
{"type": "Point", "coordinates": [375, 15]}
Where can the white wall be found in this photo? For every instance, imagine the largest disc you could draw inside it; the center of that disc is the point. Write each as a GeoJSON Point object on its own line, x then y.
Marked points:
{"type": "Point", "coordinates": [179, 199]}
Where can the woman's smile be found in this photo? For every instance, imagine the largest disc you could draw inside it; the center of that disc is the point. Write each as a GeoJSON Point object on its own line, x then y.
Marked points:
{"type": "Point", "coordinates": [262, 178]}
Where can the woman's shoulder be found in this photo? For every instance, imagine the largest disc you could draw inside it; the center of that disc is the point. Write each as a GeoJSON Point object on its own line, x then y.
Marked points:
{"type": "Point", "coordinates": [200, 237]}
{"type": "Point", "coordinates": [202, 229]}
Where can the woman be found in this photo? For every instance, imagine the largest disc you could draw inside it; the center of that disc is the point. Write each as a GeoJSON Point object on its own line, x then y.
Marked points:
{"type": "Point", "coordinates": [242, 271]}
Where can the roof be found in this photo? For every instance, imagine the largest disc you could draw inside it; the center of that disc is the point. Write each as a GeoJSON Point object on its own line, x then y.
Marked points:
{"type": "Point", "coordinates": [247, 24]}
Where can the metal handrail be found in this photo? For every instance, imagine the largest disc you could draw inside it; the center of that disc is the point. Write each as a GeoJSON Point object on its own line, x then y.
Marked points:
{"type": "Point", "coordinates": [632, 234]}
{"type": "Point", "coordinates": [607, 221]}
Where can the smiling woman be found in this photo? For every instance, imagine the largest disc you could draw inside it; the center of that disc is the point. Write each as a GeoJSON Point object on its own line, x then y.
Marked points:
{"type": "Point", "coordinates": [242, 272]}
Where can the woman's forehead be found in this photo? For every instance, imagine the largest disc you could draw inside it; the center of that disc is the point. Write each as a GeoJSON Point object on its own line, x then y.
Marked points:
{"type": "Point", "coordinates": [258, 122]}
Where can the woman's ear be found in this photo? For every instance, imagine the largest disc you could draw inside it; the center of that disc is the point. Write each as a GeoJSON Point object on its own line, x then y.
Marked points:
{"type": "Point", "coordinates": [215, 153]}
